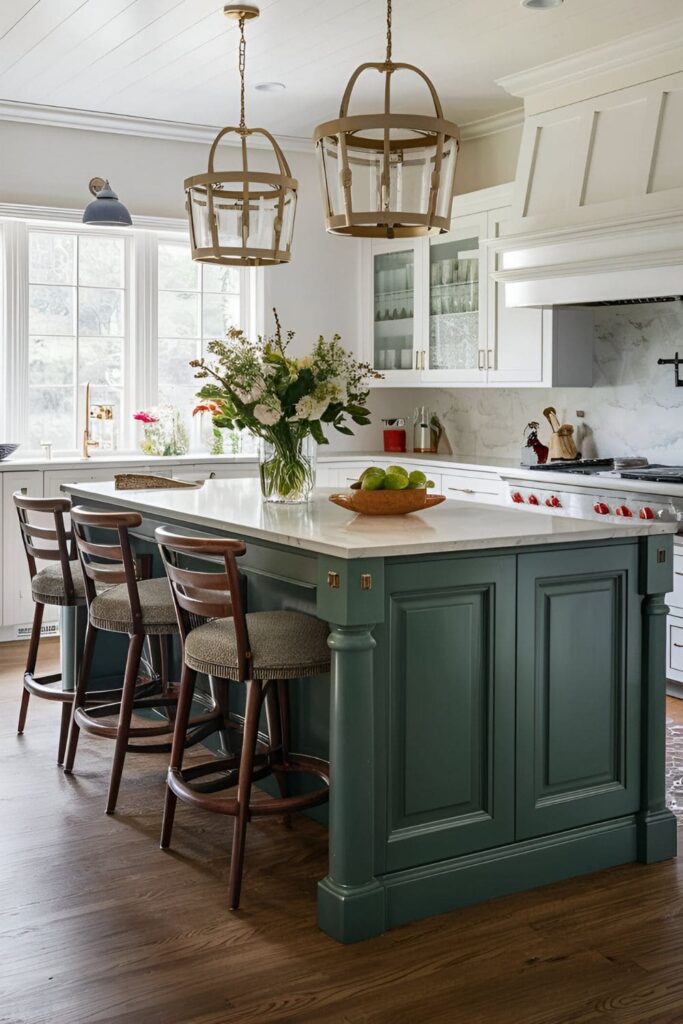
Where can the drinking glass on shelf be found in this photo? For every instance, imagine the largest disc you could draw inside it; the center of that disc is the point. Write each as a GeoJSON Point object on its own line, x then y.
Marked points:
{"type": "Point", "coordinates": [465, 271]}
{"type": "Point", "coordinates": [409, 276]}
{"type": "Point", "coordinates": [381, 359]}
{"type": "Point", "coordinates": [447, 271]}
{"type": "Point", "coordinates": [436, 305]}
{"type": "Point", "coordinates": [406, 358]}
{"type": "Point", "coordinates": [447, 300]}
{"type": "Point", "coordinates": [435, 272]}
{"type": "Point", "coordinates": [390, 359]}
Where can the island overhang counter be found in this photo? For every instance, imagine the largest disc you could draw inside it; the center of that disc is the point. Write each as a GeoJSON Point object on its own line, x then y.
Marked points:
{"type": "Point", "coordinates": [497, 694]}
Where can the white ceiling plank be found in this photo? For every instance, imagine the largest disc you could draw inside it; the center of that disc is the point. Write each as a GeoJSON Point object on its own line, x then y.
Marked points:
{"type": "Point", "coordinates": [176, 59]}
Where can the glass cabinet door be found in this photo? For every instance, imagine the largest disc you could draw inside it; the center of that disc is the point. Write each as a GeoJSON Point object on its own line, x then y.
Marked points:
{"type": "Point", "coordinates": [394, 310]}
{"type": "Point", "coordinates": [455, 346]}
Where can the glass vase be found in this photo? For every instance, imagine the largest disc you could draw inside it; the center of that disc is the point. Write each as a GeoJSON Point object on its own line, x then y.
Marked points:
{"type": "Point", "coordinates": [287, 468]}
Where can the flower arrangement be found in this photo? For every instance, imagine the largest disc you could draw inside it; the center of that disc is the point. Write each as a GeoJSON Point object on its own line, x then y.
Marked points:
{"type": "Point", "coordinates": [163, 432]}
{"type": "Point", "coordinates": [257, 386]}
{"type": "Point", "coordinates": [214, 440]}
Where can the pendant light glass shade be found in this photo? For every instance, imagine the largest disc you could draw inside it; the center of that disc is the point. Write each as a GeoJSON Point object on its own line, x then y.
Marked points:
{"type": "Point", "coordinates": [387, 175]}
{"type": "Point", "coordinates": [243, 217]}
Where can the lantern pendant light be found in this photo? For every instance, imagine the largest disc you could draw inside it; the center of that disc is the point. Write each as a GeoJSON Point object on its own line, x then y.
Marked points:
{"type": "Point", "coordinates": [243, 217]}
{"type": "Point", "coordinates": [387, 175]}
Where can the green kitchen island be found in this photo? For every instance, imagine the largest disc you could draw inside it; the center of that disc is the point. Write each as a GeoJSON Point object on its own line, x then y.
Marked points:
{"type": "Point", "coordinates": [496, 708]}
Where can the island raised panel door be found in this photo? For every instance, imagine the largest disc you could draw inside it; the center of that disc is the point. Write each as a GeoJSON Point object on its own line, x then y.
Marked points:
{"type": "Point", "coordinates": [449, 680]}
{"type": "Point", "coordinates": [578, 688]}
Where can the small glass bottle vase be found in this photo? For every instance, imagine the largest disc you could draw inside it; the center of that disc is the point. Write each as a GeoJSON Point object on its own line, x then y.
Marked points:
{"type": "Point", "coordinates": [287, 469]}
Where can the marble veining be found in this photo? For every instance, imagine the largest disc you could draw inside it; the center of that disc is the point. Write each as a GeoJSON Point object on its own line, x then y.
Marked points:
{"type": "Point", "coordinates": [632, 409]}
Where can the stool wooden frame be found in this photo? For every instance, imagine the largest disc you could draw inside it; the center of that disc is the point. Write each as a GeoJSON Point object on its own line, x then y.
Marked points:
{"type": "Point", "coordinates": [200, 596]}
{"type": "Point", "coordinates": [109, 564]}
{"type": "Point", "coordinates": [49, 544]}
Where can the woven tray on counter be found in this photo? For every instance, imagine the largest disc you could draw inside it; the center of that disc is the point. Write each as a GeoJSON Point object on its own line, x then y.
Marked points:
{"type": "Point", "coordinates": [143, 481]}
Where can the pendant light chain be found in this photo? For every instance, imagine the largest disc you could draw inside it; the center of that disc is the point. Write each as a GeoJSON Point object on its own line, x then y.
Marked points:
{"type": "Point", "coordinates": [242, 67]}
{"type": "Point", "coordinates": [388, 31]}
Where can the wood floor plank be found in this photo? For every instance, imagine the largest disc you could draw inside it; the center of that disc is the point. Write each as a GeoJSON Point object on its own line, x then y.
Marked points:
{"type": "Point", "coordinates": [98, 926]}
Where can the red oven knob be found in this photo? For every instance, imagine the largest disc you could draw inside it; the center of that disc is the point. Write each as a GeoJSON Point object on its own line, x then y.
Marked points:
{"type": "Point", "coordinates": [553, 502]}
{"type": "Point", "coordinates": [532, 500]}
{"type": "Point", "coordinates": [517, 497]}
{"type": "Point", "coordinates": [625, 511]}
{"type": "Point", "coordinates": [646, 512]}
{"type": "Point", "coordinates": [601, 508]}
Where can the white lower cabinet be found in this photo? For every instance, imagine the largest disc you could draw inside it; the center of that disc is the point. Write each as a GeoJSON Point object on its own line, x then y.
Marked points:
{"type": "Point", "coordinates": [674, 623]}
{"type": "Point", "coordinates": [485, 488]}
{"type": "Point", "coordinates": [17, 603]}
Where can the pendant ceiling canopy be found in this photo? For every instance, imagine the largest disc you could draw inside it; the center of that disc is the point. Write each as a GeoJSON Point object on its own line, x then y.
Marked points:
{"type": "Point", "coordinates": [387, 175]}
{"type": "Point", "coordinates": [243, 217]}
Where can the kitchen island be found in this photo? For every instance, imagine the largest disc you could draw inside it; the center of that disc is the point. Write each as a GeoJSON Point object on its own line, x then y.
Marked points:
{"type": "Point", "coordinates": [496, 705]}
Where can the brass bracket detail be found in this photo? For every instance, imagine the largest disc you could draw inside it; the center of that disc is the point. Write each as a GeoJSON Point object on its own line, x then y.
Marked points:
{"type": "Point", "coordinates": [366, 581]}
{"type": "Point", "coordinates": [333, 580]}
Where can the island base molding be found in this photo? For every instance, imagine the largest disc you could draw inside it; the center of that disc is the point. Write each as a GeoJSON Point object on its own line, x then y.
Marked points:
{"type": "Point", "coordinates": [352, 915]}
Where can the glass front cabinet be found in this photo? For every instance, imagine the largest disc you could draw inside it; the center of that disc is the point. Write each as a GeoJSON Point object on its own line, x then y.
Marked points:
{"type": "Point", "coordinates": [434, 314]}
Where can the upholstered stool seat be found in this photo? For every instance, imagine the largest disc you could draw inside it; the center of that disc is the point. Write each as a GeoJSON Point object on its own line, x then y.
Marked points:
{"type": "Point", "coordinates": [48, 587]}
{"type": "Point", "coordinates": [112, 610]}
{"type": "Point", "coordinates": [284, 645]}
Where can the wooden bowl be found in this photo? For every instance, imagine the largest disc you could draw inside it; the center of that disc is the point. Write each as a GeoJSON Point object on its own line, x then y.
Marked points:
{"type": "Point", "coordinates": [387, 503]}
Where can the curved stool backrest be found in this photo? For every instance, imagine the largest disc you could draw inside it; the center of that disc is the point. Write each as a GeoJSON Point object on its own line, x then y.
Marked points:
{"type": "Point", "coordinates": [113, 562]}
{"type": "Point", "coordinates": [201, 595]}
{"type": "Point", "coordinates": [57, 542]}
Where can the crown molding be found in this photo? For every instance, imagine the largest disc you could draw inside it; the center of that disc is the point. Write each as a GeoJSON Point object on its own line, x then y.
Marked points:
{"type": "Point", "coordinates": [64, 215]}
{"type": "Point", "coordinates": [128, 124]}
{"type": "Point", "coordinates": [491, 125]}
{"type": "Point", "coordinates": [613, 56]}
{"type": "Point", "coordinates": [182, 131]}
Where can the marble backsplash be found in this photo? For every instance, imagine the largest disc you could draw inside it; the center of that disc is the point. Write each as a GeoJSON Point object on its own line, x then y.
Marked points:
{"type": "Point", "coordinates": [633, 407]}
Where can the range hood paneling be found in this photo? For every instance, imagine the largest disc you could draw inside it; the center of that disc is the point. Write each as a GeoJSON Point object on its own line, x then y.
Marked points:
{"type": "Point", "coordinates": [598, 287]}
{"type": "Point", "coordinates": [602, 159]}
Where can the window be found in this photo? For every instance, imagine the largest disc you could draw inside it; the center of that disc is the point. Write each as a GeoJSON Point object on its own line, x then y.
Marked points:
{"type": "Point", "coordinates": [197, 302]}
{"type": "Point", "coordinates": [77, 331]}
{"type": "Point", "coordinates": [124, 310]}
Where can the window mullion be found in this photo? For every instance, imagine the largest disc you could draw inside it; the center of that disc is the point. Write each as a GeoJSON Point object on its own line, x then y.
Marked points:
{"type": "Point", "coordinates": [15, 330]}
{"type": "Point", "coordinates": [143, 382]}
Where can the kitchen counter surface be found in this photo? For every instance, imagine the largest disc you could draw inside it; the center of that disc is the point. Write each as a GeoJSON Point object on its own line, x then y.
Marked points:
{"type": "Point", "coordinates": [235, 505]}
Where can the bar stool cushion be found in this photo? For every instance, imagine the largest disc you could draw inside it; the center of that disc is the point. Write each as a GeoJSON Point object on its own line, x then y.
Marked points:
{"type": "Point", "coordinates": [111, 610]}
{"type": "Point", "coordinates": [47, 586]}
{"type": "Point", "coordinates": [284, 645]}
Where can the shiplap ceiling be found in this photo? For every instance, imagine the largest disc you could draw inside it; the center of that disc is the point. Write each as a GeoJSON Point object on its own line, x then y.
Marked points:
{"type": "Point", "coordinates": [176, 59]}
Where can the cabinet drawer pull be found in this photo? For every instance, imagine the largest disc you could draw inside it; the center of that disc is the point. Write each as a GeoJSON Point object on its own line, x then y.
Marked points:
{"type": "Point", "coordinates": [481, 360]}
{"type": "Point", "coordinates": [464, 490]}
{"type": "Point", "coordinates": [678, 573]}
{"type": "Point", "coordinates": [678, 645]}
{"type": "Point", "coordinates": [417, 360]}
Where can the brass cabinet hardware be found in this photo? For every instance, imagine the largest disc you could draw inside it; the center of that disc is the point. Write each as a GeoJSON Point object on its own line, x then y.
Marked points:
{"type": "Point", "coordinates": [480, 365]}
{"type": "Point", "coordinates": [333, 580]}
{"type": "Point", "coordinates": [366, 581]}
{"type": "Point", "coordinates": [489, 359]}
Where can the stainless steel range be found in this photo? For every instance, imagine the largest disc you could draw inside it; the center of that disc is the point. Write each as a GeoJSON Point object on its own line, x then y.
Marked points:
{"type": "Point", "coordinates": [618, 489]}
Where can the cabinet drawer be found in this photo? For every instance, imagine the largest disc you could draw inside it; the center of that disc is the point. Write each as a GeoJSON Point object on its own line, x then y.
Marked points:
{"type": "Point", "coordinates": [675, 645]}
{"type": "Point", "coordinates": [461, 487]}
{"type": "Point", "coordinates": [675, 598]}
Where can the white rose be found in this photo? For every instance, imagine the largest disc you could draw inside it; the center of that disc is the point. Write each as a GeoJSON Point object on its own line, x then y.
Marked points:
{"type": "Point", "coordinates": [252, 394]}
{"type": "Point", "coordinates": [307, 408]}
{"type": "Point", "coordinates": [268, 415]}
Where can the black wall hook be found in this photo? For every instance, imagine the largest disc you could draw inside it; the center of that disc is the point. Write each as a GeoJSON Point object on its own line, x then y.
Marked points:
{"type": "Point", "coordinates": [676, 363]}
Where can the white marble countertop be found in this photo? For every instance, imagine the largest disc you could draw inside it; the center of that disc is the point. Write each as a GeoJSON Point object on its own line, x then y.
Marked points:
{"type": "Point", "coordinates": [235, 506]}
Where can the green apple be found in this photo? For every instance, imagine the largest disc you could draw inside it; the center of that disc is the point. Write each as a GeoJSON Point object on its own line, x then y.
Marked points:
{"type": "Point", "coordinates": [416, 480]}
{"type": "Point", "coordinates": [371, 469]}
{"type": "Point", "coordinates": [395, 481]}
{"type": "Point", "coordinates": [373, 481]}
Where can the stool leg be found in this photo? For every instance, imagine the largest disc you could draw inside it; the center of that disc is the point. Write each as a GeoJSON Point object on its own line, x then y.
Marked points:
{"type": "Point", "coordinates": [125, 714]}
{"type": "Point", "coordinates": [251, 719]}
{"type": "Point", "coordinates": [80, 695]}
{"type": "Point", "coordinates": [64, 731]}
{"type": "Point", "coordinates": [283, 701]}
{"type": "Point", "coordinates": [182, 717]}
{"type": "Point", "coordinates": [31, 660]}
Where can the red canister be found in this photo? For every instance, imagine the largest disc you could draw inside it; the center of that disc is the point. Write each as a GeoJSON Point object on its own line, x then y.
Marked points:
{"type": "Point", "coordinates": [394, 435]}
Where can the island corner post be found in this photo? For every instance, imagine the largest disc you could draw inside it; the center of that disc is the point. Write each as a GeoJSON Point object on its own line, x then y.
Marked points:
{"type": "Point", "coordinates": [475, 750]}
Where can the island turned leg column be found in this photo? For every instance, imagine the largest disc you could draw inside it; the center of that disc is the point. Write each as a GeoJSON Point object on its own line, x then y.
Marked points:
{"type": "Point", "coordinates": [350, 899]}
{"type": "Point", "coordinates": [656, 823]}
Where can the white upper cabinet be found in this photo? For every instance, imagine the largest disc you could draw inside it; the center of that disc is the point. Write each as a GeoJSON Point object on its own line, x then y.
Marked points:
{"type": "Point", "coordinates": [433, 315]}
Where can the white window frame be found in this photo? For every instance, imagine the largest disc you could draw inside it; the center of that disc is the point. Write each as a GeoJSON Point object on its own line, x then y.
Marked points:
{"type": "Point", "coordinates": [140, 385]}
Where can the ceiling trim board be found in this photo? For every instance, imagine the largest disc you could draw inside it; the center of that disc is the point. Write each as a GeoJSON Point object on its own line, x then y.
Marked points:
{"type": "Point", "coordinates": [182, 131]}
{"type": "Point", "coordinates": [613, 56]}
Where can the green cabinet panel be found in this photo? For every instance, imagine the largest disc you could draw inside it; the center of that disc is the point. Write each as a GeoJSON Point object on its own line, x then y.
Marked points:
{"type": "Point", "coordinates": [447, 654]}
{"type": "Point", "coordinates": [578, 688]}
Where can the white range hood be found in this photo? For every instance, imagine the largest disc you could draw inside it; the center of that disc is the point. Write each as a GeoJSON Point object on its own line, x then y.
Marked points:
{"type": "Point", "coordinates": [598, 203]}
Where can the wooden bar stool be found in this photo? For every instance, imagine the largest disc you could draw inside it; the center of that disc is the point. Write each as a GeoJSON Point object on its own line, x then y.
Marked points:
{"type": "Point", "coordinates": [260, 649]}
{"type": "Point", "coordinates": [143, 608]}
{"type": "Point", "coordinates": [59, 583]}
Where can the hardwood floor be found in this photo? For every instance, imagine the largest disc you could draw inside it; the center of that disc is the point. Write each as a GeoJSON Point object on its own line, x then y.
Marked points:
{"type": "Point", "coordinates": [98, 925]}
